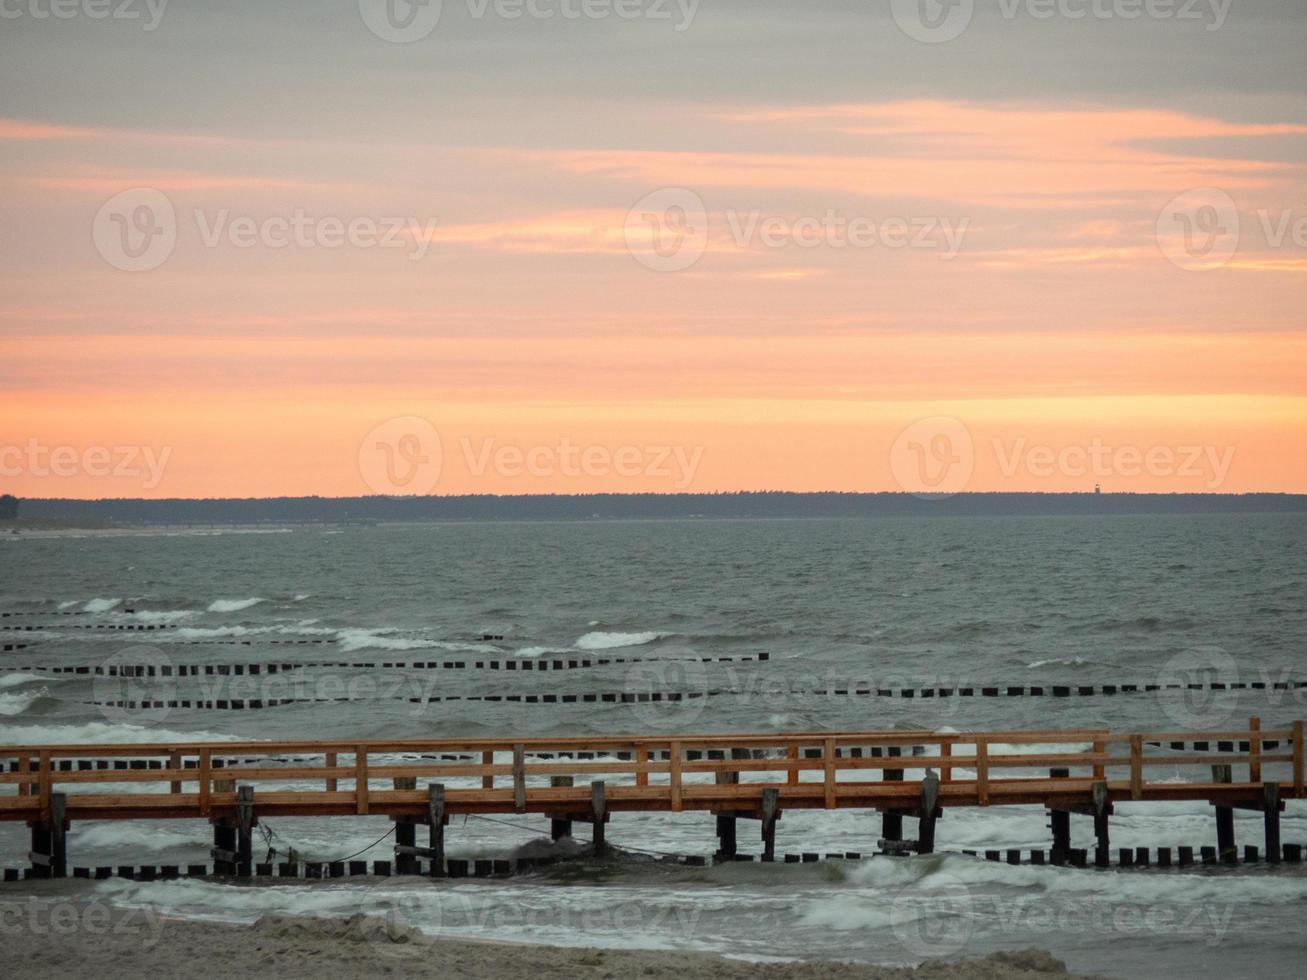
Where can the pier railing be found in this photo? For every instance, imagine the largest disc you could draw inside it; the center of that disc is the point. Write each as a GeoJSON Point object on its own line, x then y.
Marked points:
{"type": "Point", "coordinates": [683, 772]}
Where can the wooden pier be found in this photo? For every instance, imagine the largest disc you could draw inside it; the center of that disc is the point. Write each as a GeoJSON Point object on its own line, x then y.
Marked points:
{"type": "Point", "coordinates": [756, 777]}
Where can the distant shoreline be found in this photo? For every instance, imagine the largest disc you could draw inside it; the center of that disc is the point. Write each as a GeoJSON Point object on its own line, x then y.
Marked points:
{"type": "Point", "coordinates": [59, 514]}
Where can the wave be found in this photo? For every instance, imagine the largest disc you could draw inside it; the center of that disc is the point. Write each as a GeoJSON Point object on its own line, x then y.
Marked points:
{"type": "Point", "coordinates": [103, 733]}
{"type": "Point", "coordinates": [19, 679]}
{"type": "Point", "coordinates": [164, 615]}
{"type": "Point", "coordinates": [115, 834]}
{"type": "Point", "coordinates": [233, 605]}
{"type": "Point", "coordinates": [365, 639]}
{"type": "Point", "coordinates": [1054, 662]}
{"type": "Point", "coordinates": [100, 605]}
{"type": "Point", "coordinates": [15, 704]}
{"type": "Point", "coordinates": [609, 641]}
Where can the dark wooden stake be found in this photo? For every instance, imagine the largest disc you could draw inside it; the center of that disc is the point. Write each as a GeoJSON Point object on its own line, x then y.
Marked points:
{"type": "Point", "coordinates": [1102, 832]}
{"type": "Point", "coordinates": [1271, 816]}
{"type": "Point", "coordinates": [1226, 850]}
{"type": "Point", "coordinates": [599, 814]}
{"type": "Point", "coordinates": [770, 814]}
{"type": "Point", "coordinates": [926, 822]}
{"type": "Point", "coordinates": [406, 834]}
{"type": "Point", "coordinates": [1060, 823]}
{"type": "Point", "coordinates": [891, 821]}
{"type": "Point", "coordinates": [245, 831]}
{"type": "Point", "coordinates": [436, 820]}
{"type": "Point", "coordinates": [560, 827]}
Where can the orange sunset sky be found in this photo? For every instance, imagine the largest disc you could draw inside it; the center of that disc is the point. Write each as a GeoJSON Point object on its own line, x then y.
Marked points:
{"type": "Point", "coordinates": [1127, 198]}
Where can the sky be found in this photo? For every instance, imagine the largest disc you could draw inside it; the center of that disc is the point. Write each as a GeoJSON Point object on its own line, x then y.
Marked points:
{"type": "Point", "coordinates": [259, 248]}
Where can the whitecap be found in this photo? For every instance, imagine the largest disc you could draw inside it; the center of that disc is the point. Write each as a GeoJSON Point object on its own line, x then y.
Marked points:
{"type": "Point", "coordinates": [607, 641]}
{"type": "Point", "coordinates": [100, 605]}
{"type": "Point", "coordinates": [232, 605]}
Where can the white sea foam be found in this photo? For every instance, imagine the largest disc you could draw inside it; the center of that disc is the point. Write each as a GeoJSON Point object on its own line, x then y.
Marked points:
{"type": "Point", "coordinates": [101, 733]}
{"type": "Point", "coordinates": [532, 652]}
{"type": "Point", "coordinates": [233, 605]}
{"type": "Point", "coordinates": [16, 704]}
{"type": "Point", "coordinates": [609, 641]}
{"type": "Point", "coordinates": [99, 835]}
{"type": "Point", "coordinates": [164, 615]}
{"type": "Point", "coordinates": [20, 678]}
{"type": "Point", "coordinates": [68, 605]}
{"type": "Point", "coordinates": [100, 605]}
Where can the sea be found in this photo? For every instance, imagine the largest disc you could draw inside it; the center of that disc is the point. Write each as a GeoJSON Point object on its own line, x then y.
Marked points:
{"type": "Point", "coordinates": [874, 605]}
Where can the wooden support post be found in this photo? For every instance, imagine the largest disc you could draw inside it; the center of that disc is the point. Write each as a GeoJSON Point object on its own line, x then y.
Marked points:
{"type": "Point", "coordinates": [1225, 846]}
{"type": "Point", "coordinates": [175, 762]}
{"type": "Point", "coordinates": [1271, 818]}
{"type": "Point", "coordinates": [206, 762]}
{"type": "Point", "coordinates": [224, 847]}
{"type": "Point", "coordinates": [982, 772]}
{"type": "Point", "coordinates": [49, 853]}
{"type": "Point", "coordinates": [245, 831]}
{"type": "Point", "coordinates": [771, 800]}
{"type": "Point", "coordinates": [792, 755]}
{"type": "Point", "coordinates": [488, 780]}
{"type": "Point", "coordinates": [1100, 771]}
{"type": "Point", "coordinates": [1060, 823]}
{"type": "Point", "coordinates": [641, 766]}
{"type": "Point", "coordinates": [331, 764]}
{"type": "Point", "coordinates": [599, 814]}
{"type": "Point", "coordinates": [1254, 750]}
{"type": "Point", "coordinates": [436, 821]}
{"type": "Point", "coordinates": [1102, 832]}
{"type": "Point", "coordinates": [560, 827]}
{"type": "Point", "coordinates": [929, 807]}
{"type": "Point", "coordinates": [1136, 767]}
{"type": "Point", "coordinates": [406, 831]}
{"type": "Point", "coordinates": [726, 822]}
{"type": "Point", "coordinates": [891, 821]}
{"type": "Point", "coordinates": [519, 778]}
{"type": "Point", "coordinates": [1297, 759]}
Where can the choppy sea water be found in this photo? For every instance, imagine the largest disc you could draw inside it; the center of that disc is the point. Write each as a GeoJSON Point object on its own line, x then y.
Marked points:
{"type": "Point", "coordinates": [838, 606]}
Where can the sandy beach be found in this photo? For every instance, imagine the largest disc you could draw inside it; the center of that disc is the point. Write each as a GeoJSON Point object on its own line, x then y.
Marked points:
{"type": "Point", "coordinates": [136, 946]}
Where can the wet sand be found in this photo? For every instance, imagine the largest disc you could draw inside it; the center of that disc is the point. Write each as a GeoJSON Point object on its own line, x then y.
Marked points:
{"type": "Point", "coordinates": [310, 948]}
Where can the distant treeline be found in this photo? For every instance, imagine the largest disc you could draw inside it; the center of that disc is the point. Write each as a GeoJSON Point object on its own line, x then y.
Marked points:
{"type": "Point", "coordinates": [282, 510]}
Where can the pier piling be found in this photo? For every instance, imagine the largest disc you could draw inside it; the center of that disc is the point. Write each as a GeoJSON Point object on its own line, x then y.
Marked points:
{"type": "Point", "coordinates": [1226, 850]}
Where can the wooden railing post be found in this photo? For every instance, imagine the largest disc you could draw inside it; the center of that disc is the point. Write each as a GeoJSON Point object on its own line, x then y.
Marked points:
{"type": "Point", "coordinates": [946, 762]}
{"type": "Point", "coordinates": [519, 778]}
{"type": "Point", "coordinates": [792, 754]}
{"type": "Point", "coordinates": [982, 772]}
{"type": "Point", "coordinates": [641, 766]}
{"type": "Point", "coordinates": [828, 772]}
{"type": "Point", "coordinates": [488, 780]}
{"type": "Point", "coordinates": [44, 785]}
{"type": "Point", "coordinates": [331, 764]}
{"type": "Point", "coordinates": [675, 775]}
{"type": "Point", "coordinates": [1100, 771]}
{"type": "Point", "coordinates": [361, 779]}
{"type": "Point", "coordinates": [175, 762]}
{"type": "Point", "coordinates": [206, 775]}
